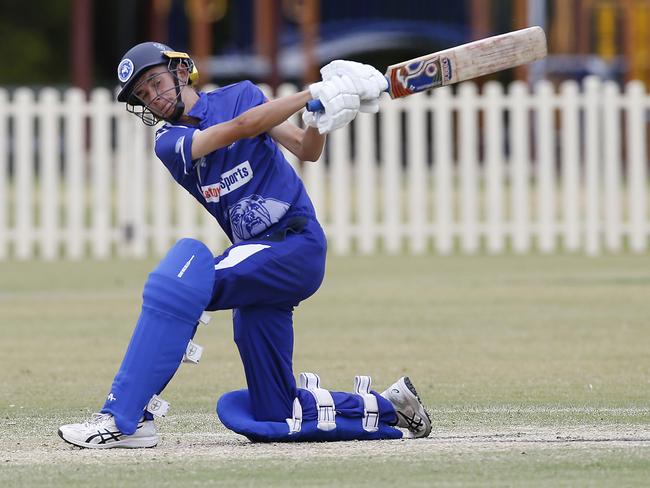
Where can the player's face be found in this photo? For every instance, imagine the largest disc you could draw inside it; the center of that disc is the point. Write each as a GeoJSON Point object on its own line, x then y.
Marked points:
{"type": "Point", "coordinates": [156, 90]}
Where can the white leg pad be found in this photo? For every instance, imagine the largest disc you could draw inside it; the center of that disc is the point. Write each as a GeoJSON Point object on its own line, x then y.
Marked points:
{"type": "Point", "coordinates": [157, 406]}
{"type": "Point", "coordinates": [193, 353]}
{"type": "Point", "coordinates": [295, 422]}
{"type": "Point", "coordinates": [370, 407]}
{"type": "Point", "coordinates": [324, 401]}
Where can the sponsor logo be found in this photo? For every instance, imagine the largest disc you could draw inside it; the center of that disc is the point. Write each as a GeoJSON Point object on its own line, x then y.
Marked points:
{"type": "Point", "coordinates": [125, 70]}
{"type": "Point", "coordinates": [184, 268]}
{"type": "Point", "coordinates": [229, 181]}
{"type": "Point", "coordinates": [162, 47]}
{"type": "Point", "coordinates": [111, 397]}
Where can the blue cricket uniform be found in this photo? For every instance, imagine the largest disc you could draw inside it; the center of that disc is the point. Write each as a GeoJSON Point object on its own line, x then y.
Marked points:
{"type": "Point", "coordinates": [277, 258]}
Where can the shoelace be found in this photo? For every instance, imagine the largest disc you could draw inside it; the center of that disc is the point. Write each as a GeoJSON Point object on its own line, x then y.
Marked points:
{"type": "Point", "coordinates": [97, 418]}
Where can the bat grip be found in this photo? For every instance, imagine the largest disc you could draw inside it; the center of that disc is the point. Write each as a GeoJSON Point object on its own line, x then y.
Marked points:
{"type": "Point", "coordinates": [314, 105]}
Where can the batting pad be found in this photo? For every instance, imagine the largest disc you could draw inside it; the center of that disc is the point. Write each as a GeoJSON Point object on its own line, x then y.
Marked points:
{"type": "Point", "coordinates": [234, 410]}
{"type": "Point", "coordinates": [174, 297]}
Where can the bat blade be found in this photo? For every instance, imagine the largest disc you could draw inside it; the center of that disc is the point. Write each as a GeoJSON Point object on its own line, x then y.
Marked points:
{"type": "Point", "coordinates": [462, 63]}
{"type": "Point", "coordinates": [466, 62]}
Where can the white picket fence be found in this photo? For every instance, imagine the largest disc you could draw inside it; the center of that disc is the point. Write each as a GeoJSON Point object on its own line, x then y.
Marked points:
{"type": "Point", "coordinates": [555, 170]}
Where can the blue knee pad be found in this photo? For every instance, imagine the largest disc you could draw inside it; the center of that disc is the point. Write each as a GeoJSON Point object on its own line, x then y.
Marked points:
{"type": "Point", "coordinates": [235, 412]}
{"type": "Point", "coordinates": [174, 297]}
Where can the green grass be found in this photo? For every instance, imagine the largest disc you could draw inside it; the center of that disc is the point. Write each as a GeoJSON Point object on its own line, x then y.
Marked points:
{"type": "Point", "coordinates": [536, 371]}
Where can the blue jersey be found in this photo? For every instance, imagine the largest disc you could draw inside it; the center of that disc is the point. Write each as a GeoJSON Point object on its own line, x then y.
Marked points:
{"type": "Point", "coordinates": [247, 186]}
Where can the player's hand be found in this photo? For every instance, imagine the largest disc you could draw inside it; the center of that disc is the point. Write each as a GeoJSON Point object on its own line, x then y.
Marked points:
{"type": "Point", "coordinates": [340, 100]}
{"type": "Point", "coordinates": [368, 82]}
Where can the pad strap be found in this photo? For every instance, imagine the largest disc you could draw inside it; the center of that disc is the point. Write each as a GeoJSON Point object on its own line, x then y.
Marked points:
{"type": "Point", "coordinates": [324, 401]}
{"type": "Point", "coordinates": [193, 353]}
{"type": "Point", "coordinates": [157, 406]}
{"type": "Point", "coordinates": [205, 318]}
{"type": "Point", "coordinates": [370, 406]}
{"type": "Point", "coordinates": [295, 422]}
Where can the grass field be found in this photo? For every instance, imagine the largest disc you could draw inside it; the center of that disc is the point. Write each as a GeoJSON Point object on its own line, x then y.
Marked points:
{"type": "Point", "coordinates": [536, 372]}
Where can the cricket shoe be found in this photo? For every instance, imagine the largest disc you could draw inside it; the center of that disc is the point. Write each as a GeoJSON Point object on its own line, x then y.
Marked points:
{"type": "Point", "coordinates": [410, 412]}
{"type": "Point", "coordinates": [100, 432]}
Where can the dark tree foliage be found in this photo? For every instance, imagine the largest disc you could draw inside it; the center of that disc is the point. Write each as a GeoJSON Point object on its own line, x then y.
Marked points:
{"type": "Point", "coordinates": [34, 36]}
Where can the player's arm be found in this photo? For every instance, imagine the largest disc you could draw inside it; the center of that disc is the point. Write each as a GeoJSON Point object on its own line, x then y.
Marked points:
{"type": "Point", "coordinates": [249, 124]}
{"type": "Point", "coordinates": [307, 144]}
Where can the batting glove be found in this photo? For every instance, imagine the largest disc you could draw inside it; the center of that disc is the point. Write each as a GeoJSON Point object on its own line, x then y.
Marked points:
{"type": "Point", "coordinates": [368, 82]}
{"type": "Point", "coordinates": [340, 100]}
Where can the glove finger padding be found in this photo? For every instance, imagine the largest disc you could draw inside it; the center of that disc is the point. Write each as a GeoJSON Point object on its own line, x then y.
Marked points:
{"type": "Point", "coordinates": [368, 82]}
{"type": "Point", "coordinates": [369, 106]}
{"type": "Point", "coordinates": [340, 101]}
{"type": "Point", "coordinates": [309, 119]}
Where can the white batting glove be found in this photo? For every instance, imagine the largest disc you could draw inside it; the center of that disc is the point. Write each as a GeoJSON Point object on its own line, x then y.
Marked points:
{"type": "Point", "coordinates": [368, 82]}
{"type": "Point", "coordinates": [340, 100]}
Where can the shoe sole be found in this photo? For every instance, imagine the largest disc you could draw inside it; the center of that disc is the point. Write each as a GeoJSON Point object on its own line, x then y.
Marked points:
{"type": "Point", "coordinates": [144, 442]}
{"type": "Point", "coordinates": [421, 409]}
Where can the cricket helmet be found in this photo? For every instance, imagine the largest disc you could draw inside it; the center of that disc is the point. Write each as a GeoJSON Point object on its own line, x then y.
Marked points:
{"type": "Point", "coordinates": [144, 56]}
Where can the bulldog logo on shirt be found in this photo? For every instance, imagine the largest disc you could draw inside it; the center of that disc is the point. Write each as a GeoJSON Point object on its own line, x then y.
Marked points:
{"type": "Point", "coordinates": [254, 214]}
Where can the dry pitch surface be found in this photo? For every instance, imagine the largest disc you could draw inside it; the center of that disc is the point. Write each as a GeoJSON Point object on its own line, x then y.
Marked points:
{"type": "Point", "coordinates": [536, 372]}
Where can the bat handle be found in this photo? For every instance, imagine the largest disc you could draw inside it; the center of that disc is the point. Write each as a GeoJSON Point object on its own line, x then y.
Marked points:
{"type": "Point", "coordinates": [314, 105]}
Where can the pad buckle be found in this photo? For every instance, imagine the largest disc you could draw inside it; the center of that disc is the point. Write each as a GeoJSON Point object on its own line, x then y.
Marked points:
{"type": "Point", "coordinates": [193, 353]}
{"type": "Point", "coordinates": [205, 318]}
{"type": "Point", "coordinates": [295, 422]}
{"type": "Point", "coordinates": [370, 406]}
{"type": "Point", "coordinates": [324, 401]}
{"type": "Point", "coordinates": [157, 406]}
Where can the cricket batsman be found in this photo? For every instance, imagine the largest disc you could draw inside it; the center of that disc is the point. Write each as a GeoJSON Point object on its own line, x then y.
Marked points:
{"type": "Point", "coordinates": [223, 148]}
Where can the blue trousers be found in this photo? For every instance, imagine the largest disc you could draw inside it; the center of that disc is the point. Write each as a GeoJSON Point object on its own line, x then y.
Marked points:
{"type": "Point", "coordinates": [261, 280]}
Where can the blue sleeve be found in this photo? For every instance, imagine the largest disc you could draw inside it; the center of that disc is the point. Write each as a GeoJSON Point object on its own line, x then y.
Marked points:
{"type": "Point", "coordinates": [173, 147]}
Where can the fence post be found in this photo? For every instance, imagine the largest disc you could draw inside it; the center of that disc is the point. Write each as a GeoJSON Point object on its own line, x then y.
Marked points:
{"type": "Point", "coordinates": [314, 176]}
{"type": "Point", "coordinates": [494, 174]}
{"type": "Point", "coordinates": [49, 187]}
{"type": "Point", "coordinates": [366, 183]}
{"type": "Point", "coordinates": [637, 160]}
{"type": "Point", "coordinates": [546, 206]}
{"type": "Point", "coordinates": [391, 173]}
{"type": "Point", "coordinates": [100, 117]}
{"type": "Point", "coordinates": [520, 166]}
{"type": "Point", "coordinates": [612, 165]}
{"type": "Point", "coordinates": [593, 152]}
{"type": "Point", "coordinates": [468, 163]}
{"type": "Point", "coordinates": [443, 169]}
{"type": "Point", "coordinates": [75, 142]}
{"type": "Point", "coordinates": [417, 176]}
{"type": "Point", "coordinates": [570, 156]}
{"type": "Point", "coordinates": [24, 173]}
{"type": "Point", "coordinates": [340, 189]}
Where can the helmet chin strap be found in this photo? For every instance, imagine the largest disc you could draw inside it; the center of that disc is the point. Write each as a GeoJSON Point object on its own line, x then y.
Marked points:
{"type": "Point", "coordinates": [179, 107]}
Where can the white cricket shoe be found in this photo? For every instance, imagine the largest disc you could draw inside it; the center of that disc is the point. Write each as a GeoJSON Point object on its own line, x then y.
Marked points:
{"type": "Point", "coordinates": [411, 414]}
{"type": "Point", "coordinates": [100, 432]}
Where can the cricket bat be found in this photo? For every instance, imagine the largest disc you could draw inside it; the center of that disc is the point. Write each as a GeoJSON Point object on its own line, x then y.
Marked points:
{"type": "Point", "coordinates": [462, 63]}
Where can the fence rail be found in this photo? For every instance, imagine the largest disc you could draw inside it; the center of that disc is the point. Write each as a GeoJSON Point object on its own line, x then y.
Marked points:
{"type": "Point", "coordinates": [500, 170]}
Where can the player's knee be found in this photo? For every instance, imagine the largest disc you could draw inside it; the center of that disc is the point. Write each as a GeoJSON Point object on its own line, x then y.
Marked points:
{"type": "Point", "coordinates": [181, 284]}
